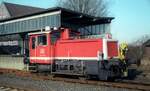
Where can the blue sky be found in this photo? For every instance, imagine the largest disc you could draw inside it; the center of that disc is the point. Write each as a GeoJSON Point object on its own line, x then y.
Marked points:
{"type": "Point", "coordinates": [132, 17]}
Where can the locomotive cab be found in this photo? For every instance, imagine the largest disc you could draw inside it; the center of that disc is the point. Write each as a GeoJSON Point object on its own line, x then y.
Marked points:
{"type": "Point", "coordinates": [39, 51]}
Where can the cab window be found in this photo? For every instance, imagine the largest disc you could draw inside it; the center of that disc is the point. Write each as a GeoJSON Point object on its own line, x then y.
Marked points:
{"type": "Point", "coordinates": [42, 40]}
{"type": "Point", "coordinates": [33, 43]}
{"type": "Point", "coordinates": [54, 37]}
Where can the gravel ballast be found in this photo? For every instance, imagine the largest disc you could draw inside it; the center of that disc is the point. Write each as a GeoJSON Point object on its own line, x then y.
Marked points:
{"type": "Point", "coordinates": [48, 85]}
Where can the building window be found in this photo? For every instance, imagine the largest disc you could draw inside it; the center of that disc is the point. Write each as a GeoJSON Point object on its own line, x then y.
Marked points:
{"type": "Point", "coordinates": [11, 45]}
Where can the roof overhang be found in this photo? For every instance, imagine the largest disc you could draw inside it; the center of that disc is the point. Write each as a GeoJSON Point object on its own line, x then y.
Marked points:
{"type": "Point", "coordinates": [80, 18]}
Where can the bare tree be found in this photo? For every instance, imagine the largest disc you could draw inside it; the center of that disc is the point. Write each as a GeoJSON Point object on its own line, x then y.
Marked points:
{"type": "Point", "coordinates": [91, 7]}
{"type": "Point", "coordinates": [137, 49]}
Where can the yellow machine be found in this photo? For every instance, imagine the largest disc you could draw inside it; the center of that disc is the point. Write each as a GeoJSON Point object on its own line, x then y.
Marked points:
{"type": "Point", "coordinates": [123, 48]}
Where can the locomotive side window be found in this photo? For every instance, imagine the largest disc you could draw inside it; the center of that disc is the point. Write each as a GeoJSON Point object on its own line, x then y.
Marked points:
{"type": "Point", "coordinates": [42, 40]}
{"type": "Point", "coordinates": [33, 43]}
{"type": "Point", "coordinates": [54, 37]}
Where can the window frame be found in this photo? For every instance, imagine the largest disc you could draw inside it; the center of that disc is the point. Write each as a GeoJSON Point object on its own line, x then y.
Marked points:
{"type": "Point", "coordinates": [33, 42]}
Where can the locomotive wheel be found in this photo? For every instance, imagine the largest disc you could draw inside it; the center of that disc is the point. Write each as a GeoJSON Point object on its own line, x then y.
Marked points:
{"type": "Point", "coordinates": [88, 77]}
{"type": "Point", "coordinates": [51, 75]}
{"type": "Point", "coordinates": [103, 75]}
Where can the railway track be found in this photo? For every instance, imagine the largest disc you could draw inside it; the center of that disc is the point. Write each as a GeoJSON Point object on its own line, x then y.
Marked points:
{"type": "Point", "coordinates": [10, 88]}
{"type": "Point", "coordinates": [2, 88]}
{"type": "Point", "coordinates": [127, 85]}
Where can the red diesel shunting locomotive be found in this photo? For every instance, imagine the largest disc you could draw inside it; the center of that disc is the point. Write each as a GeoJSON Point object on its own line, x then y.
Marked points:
{"type": "Point", "coordinates": [59, 53]}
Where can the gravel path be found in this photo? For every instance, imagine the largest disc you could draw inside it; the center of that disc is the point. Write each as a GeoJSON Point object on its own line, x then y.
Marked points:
{"type": "Point", "coordinates": [48, 85]}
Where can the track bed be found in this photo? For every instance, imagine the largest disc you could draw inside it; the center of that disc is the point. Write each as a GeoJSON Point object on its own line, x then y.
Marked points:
{"type": "Point", "coordinates": [47, 83]}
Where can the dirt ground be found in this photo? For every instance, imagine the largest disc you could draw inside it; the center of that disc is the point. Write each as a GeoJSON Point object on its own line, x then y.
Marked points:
{"type": "Point", "coordinates": [141, 73]}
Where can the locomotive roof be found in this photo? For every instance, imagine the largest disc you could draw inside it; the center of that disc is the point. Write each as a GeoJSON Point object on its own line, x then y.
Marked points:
{"type": "Point", "coordinates": [69, 16]}
{"type": "Point", "coordinates": [42, 32]}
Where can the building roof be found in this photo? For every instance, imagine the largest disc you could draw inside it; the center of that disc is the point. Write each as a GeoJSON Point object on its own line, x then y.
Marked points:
{"type": "Point", "coordinates": [81, 18]}
{"type": "Point", "coordinates": [16, 10]}
{"type": "Point", "coordinates": [68, 16]}
{"type": "Point", "coordinates": [58, 17]}
{"type": "Point", "coordinates": [147, 43]}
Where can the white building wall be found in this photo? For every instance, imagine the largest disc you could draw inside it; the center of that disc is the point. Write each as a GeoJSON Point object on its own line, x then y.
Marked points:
{"type": "Point", "coordinates": [10, 62]}
{"type": "Point", "coordinates": [3, 12]}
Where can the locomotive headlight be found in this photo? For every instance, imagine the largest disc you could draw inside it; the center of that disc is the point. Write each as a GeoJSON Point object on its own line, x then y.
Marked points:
{"type": "Point", "coordinates": [55, 28]}
{"type": "Point", "coordinates": [47, 28]}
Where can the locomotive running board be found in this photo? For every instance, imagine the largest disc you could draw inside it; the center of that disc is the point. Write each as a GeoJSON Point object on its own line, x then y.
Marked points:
{"type": "Point", "coordinates": [60, 73]}
{"type": "Point", "coordinates": [64, 58]}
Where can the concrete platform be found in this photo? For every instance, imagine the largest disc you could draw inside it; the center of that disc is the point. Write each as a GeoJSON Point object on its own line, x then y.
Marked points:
{"type": "Point", "coordinates": [11, 62]}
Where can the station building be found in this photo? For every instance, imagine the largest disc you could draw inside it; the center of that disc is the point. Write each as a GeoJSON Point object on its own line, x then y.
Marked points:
{"type": "Point", "coordinates": [16, 21]}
